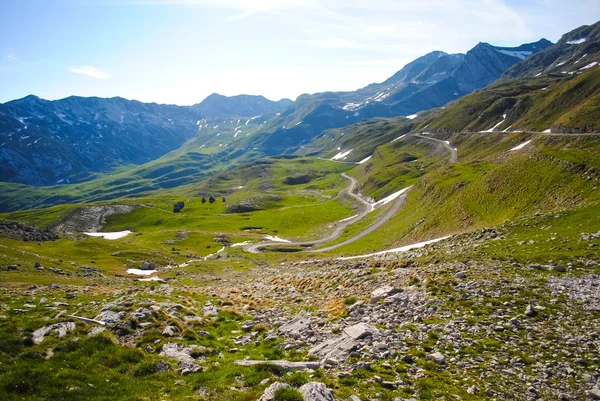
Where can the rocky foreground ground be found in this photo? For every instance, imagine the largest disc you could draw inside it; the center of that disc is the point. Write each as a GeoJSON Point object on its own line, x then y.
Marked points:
{"type": "Point", "coordinates": [394, 328]}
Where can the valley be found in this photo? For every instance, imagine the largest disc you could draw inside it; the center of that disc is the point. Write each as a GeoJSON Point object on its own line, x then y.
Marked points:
{"type": "Point", "coordinates": [435, 236]}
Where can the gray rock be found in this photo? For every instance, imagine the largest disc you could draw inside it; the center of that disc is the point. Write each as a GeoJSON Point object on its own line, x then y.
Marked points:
{"type": "Point", "coordinates": [280, 364]}
{"type": "Point", "coordinates": [594, 393]}
{"type": "Point", "coordinates": [61, 329]}
{"type": "Point", "coordinates": [210, 310]}
{"type": "Point", "coordinates": [269, 393]}
{"type": "Point", "coordinates": [437, 357]}
{"type": "Point", "coordinates": [530, 310]}
{"type": "Point", "coordinates": [337, 348]}
{"type": "Point", "coordinates": [183, 354]}
{"type": "Point", "coordinates": [316, 391]}
{"type": "Point", "coordinates": [383, 292]}
{"type": "Point", "coordinates": [296, 326]}
{"type": "Point", "coordinates": [170, 331]}
{"type": "Point", "coordinates": [148, 266]}
{"type": "Point", "coordinates": [360, 330]}
{"type": "Point", "coordinates": [110, 318]}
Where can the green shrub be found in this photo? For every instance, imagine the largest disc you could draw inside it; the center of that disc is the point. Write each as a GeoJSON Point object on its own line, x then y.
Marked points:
{"type": "Point", "coordinates": [288, 394]}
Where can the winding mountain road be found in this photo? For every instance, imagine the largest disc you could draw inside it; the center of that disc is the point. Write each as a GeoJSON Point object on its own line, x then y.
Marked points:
{"type": "Point", "coordinates": [453, 151]}
{"type": "Point", "coordinates": [366, 209]}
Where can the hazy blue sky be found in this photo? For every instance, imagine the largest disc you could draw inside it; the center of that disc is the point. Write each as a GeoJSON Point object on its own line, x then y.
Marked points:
{"type": "Point", "coordinates": [180, 51]}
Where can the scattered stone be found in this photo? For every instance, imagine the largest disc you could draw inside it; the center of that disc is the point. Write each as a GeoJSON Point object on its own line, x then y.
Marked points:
{"type": "Point", "coordinates": [170, 331]}
{"type": "Point", "coordinates": [296, 326]}
{"type": "Point", "coordinates": [360, 331]}
{"type": "Point", "coordinates": [183, 354]}
{"type": "Point", "coordinates": [530, 310]}
{"type": "Point", "coordinates": [437, 357]}
{"type": "Point", "coordinates": [383, 292]}
{"type": "Point", "coordinates": [269, 393]}
{"type": "Point", "coordinates": [280, 364]}
{"type": "Point", "coordinates": [61, 329]}
{"type": "Point", "coordinates": [316, 391]}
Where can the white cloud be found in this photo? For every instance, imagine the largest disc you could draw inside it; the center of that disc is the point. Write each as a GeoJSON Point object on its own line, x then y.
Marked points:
{"type": "Point", "coordinates": [90, 72]}
{"type": "Point", "coordinates": [333, 43]}
{"type": "Point", "coordinates": [12, 56]}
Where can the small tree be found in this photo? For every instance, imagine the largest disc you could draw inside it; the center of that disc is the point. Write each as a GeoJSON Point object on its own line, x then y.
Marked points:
{"type": "Point", "coordinates": [211, 200]}
{"type": "Point", "coordinates": [203, 200]}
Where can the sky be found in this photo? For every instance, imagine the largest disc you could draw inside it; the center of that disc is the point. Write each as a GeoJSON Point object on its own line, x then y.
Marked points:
{"type": "Point", "coordinates": [180, 51]}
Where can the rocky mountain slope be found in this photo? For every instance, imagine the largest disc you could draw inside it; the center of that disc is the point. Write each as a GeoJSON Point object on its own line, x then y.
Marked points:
{"type": "Point", "coordinates": [575, 52]}
{"type": "Point", "coordinates": [217, 105]}
{"type": "Point", "coordinates": [428, 82]}
{"type": "Point", "coordinates": [52, 142]}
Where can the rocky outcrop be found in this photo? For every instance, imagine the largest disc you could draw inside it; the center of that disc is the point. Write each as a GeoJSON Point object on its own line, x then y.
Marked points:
{"type": "Point", "coordinates": [61, 330]}
{"type": "Point", "coordinates": [90, 218]}
{"type": "Point", "coordinates": [24, 232]}
{"type": "Point", "coordinates": [316, 391]}
{"type": "Point", "coordinates": [187, 363]}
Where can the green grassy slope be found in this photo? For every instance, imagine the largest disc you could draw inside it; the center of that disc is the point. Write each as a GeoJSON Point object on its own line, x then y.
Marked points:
{"type": "Point", "coordinates": [489, 186]}
{"type": "Point", "coordinates": [563, 104]}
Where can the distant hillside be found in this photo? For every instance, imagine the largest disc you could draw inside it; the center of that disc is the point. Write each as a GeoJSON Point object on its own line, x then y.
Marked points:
{"type": "Point", "coordinates": [428, 82]}
{"type": "Point", "coordinates": [576, 51]}
{"type": "Point", "coordinates": [217, 105]}
{"type": "Point", "coordinates": [555, 90]}
{"type": "Point", "coordinates": [70, 140]}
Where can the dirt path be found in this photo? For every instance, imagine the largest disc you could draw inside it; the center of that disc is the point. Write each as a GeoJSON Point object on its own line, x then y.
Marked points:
{"type": "Point", "coordinates": [453, 151]}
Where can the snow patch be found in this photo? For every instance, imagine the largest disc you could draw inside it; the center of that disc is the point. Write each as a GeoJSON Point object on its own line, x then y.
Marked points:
{"type": "Point", "coordinates": [111, 236]}
{"type": "Point", "coordinates": [548, 131]}
{"type": "Point", "coordinates": [154, 278]}
{"type": "Point", "coordinates": [577, 41]}
{"type": "Point", "coordinates": [521, 146]}
{"type": "Point", "coordinates": [391, 197]}
{"type": "Point", "coordinates": [400, 137]}
{"type": "Point", "coordinates": [366, 159]}
{"type": "Point", "coordinates": [412, 116]}
{"type": "Point", "coordinates": [397, 250]}
{"type": "Point", "coordinates": [341, 155]}
{"type": "Point", "coordinates": [241, 244]}
{"type": "Point", "coordinates": [590, 65]}
{"type": "Point", "coordinates": [497, 125]}
{"type": "Point", "coordinates": [140, 272]}
{"type": "Point", "coordinates": [276, 239]}
{"type": "Point", "coordinates": [520, 54]}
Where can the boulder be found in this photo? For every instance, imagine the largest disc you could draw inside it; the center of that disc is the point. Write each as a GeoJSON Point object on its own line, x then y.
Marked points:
{"type": "Point", "coordinates": [360, 330]}
{"type": "Point", "coordinates": [383, 292]}
{"type": "Point", "coordinates": [530, 310]}
{"type": "Point", "coordinates": [170, 331]}
{"type": "Point", "coordinates": [296, 326]}
{"type": "Point", "coordinates": [336, 348]}
{"type": "Point", "coordinates": [280, 364]}
{"type": "Point", "coordinates": [437, 357]}
{"type": "Point", "coordinates": [183, 354]}
{"type": "Point", "coordinates": [111, 318]}
{"type": "Point", "coordinates": [148, 266]}
{"type": "Point", "coordinates": [61, 329]}
{"type": "Point", "coordinates": [316, 391]}
{"type": "Point", "coordinates": [269, 393]}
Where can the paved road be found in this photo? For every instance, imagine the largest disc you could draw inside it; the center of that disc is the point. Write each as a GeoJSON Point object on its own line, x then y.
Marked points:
{"type": "Point", "coordinates": [453, 151]}
{"type": "Point", "coordinates": [366, 208]}
{"type": "Point", "coordinates": [397, 205]}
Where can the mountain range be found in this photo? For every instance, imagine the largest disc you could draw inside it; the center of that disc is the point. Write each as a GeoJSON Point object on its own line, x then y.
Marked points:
{"type": "Point", "coordinates": [75, 139]}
